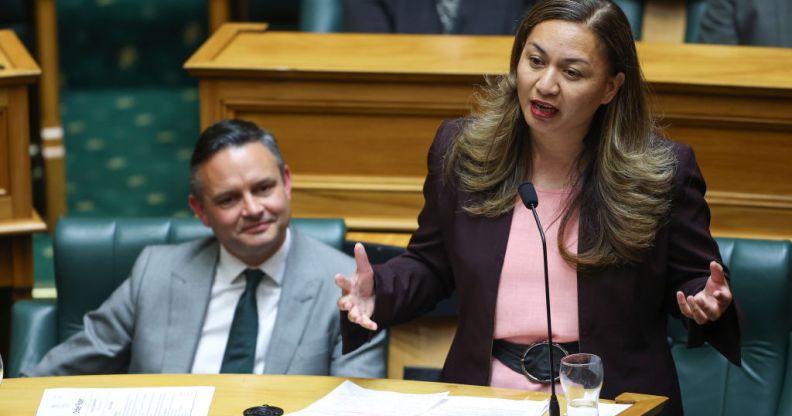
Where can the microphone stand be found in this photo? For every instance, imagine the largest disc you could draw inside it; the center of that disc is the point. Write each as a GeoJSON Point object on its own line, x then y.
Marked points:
{"type": "Point", "coordinates": [554, 409]}
{"type": "Point", "coordinates": [528, 195]}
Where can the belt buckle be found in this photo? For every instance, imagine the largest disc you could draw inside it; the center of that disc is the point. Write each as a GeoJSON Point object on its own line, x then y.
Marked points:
{"type": "Point", "coordinates": [541, 344]}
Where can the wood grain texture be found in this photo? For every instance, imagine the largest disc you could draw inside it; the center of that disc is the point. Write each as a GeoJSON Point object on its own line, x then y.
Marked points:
{"type": "Point", "coordinates": [234, 393]}
{"type": "Point", "coordinates": [18, 220]}
{"type": "Point", "coordinates": [49, 99]}
{"type": "Point", "coordinates": [423, 342]}
{"type": "Point", "coordinates": [351, 110]}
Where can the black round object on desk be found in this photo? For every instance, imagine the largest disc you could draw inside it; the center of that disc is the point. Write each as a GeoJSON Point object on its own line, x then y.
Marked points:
{"type": "Point", "coordinates": [263, 410]}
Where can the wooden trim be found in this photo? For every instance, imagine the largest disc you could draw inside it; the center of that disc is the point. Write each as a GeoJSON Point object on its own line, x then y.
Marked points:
{"type": "Point", "coordinates": [47, 44]}
{"type": "Point", "coordinates": [19, 66]}
{"type": "Point", "coordinates": [391, 239]}
{"type": "Point", "coordinates": [642, 404]}
{"type": "Point", "coordinates": [356, 107]}
{"type": "Point", "coordinates": [19, 133]}
{"type": "Point", "coordinates": [357, 183]}
{"type": "Point", "coordinates": [219, 13]}
{"type": "Point", "coordinates": [219, 40]}
{"type": "Point", "coordinates": [50, 123]}
{"type": "Point", "coordinates": [33, 224]}
{"type": "Point", "coordinates": [746, 200]}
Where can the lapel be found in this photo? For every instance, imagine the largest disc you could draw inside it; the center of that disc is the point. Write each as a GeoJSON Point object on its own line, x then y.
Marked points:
{"type": "Point", "coordinates": [301, 286]}
{"type": "Point", "coordinates": [190, 290]}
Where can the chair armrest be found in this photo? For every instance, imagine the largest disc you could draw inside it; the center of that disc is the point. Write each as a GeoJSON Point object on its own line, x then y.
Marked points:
{"type": "Point", "coordinates": [34, 331]}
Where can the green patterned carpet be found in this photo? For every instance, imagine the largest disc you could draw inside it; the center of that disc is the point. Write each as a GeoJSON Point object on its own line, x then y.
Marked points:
{"type": "Point", "coordinates": [129, 111]}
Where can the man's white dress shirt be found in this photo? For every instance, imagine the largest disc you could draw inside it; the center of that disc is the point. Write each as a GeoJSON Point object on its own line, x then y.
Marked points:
{"type": "Point", "coordinates": [228, 285]}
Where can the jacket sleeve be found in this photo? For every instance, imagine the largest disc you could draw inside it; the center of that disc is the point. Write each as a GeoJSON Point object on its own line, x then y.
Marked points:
{"type": "Point", "coordinates": [411, 284]}
{"type": "Point", "coordinates": [691, 249]}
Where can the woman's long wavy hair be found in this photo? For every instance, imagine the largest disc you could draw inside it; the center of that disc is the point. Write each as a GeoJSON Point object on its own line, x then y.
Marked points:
{"type": "Point", "coordinates": [623, 187]}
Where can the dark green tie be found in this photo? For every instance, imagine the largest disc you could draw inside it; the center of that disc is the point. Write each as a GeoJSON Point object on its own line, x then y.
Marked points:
{"type": "Point", "coordinates": [240, 352]}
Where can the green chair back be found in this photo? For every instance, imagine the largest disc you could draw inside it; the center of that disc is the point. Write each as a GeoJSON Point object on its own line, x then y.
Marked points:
{"type": "Point", "coordinates": [93, 256]}
{"type": "Point", "coordinates": [303, 15]}
{"type": "Point", "coordinates": [760, 272]}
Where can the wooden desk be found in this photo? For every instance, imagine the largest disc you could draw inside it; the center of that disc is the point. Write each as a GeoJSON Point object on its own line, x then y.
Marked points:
{"type": "Point", "coordinates": [355, 115]}
{"type": "Point", "coordinates": [234, 393]}
{"type": "Point", "coordinates": [17, 217]}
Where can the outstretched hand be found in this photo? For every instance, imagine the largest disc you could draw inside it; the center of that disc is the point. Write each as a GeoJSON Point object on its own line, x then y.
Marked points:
{"type": "Point", "coordinates": [709, 304]}
{"type": "Point", "coordinates": [357, 291]}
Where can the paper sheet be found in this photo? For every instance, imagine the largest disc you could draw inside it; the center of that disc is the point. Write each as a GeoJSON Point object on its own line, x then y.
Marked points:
{"type": "Point", "coordinates": [612, 409]}
{"type": "Point", "coordinates": [146, 401]}
{"type": "Point", "coordinates": [480, 406]}
{"type": "Point", "coordinates": [349, 399]}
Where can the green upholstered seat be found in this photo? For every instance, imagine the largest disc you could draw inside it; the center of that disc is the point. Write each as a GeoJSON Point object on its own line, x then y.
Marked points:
{"type": "Point", "coordinates": [760, 273]}
{"type": "Point", "coordinates": [303, 15]}
{"type": "Point", "coordinates": [92, 257]}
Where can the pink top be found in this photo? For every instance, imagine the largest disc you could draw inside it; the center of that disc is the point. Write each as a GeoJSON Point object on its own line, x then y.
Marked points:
{"type": "Point", "coordinates": [520, 314]}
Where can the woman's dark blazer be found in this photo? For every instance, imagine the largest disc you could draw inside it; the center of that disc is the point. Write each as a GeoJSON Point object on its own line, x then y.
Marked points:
{"type": "Point", "coordinates": [623, 311]}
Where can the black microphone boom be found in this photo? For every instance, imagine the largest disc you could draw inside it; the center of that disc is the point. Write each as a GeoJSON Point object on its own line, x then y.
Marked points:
{"type": "Point", "coordinates": [531, 200]}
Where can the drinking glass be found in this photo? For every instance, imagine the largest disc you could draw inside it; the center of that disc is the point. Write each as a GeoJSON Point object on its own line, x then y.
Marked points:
{"type": "Point", "coordinates": [581, 379]}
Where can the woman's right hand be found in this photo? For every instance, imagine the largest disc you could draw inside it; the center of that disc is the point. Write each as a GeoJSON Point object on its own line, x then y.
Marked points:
{"type": "Point", "coordinates": [357, 291]}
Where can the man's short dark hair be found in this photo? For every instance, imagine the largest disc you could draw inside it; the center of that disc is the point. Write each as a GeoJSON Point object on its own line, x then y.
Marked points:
{"type": "Point", "coordinates": [224, 134]}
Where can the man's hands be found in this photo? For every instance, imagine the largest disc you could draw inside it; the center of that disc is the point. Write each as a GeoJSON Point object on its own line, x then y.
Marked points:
{"type": "Point", "coordinates": [709, 304]}
{"type": "Point", "coordinates": [357, 291]}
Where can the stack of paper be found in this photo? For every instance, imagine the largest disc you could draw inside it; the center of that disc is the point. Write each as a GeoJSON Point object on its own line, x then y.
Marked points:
{"type": "Point", "coordinates": [349, 399]}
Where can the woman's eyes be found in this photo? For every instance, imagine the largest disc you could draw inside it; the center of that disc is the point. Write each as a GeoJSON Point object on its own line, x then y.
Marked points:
{"type": "Point", "coordinates": [570, 73]}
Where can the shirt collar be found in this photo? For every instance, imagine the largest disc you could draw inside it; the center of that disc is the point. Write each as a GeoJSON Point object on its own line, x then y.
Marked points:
{"type": "Point", "coordinates": [230, 268]}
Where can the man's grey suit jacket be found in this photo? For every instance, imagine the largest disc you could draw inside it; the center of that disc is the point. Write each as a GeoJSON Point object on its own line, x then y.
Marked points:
{"type": "Point", "coordinates": [153, 321]}
{"type": "Point", "coordinates": [748, 22]}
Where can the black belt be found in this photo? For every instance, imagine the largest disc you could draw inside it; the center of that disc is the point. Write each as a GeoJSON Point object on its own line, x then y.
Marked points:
{"type": "Point", "coordinates": [532, 360]}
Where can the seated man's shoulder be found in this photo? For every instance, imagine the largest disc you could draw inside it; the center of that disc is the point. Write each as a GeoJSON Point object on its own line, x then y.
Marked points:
{"type": "Point", "coordinates": [321, 254]}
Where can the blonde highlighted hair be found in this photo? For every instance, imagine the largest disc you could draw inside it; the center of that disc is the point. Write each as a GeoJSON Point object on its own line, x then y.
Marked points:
{"type": "Point", "coordinates": [623, 187]}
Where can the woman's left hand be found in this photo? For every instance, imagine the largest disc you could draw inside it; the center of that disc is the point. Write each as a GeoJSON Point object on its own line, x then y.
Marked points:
{"type": "Point", "coordinates": [709, 304]}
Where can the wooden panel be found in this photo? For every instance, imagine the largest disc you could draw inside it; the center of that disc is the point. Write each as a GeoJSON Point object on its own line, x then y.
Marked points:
{"type": "Point", "coordinates": [234, 392]}
{"type": "Point", "coordinates": [354, 111]}
{"type": "Point", "coordinates": [364, 202]}
{"type": "Point", "coordinates": [6, 210]}
{"type": "Point", "coordinates": [17, 218]}
{"type": "Point", "coordinates": [423, 342]}
{"type": "Point", "coordinates": [391, 239]}
{"type": "Point", "coordinates": [19, 152]}
{"type": "Point", "coordinates": [664, 21]}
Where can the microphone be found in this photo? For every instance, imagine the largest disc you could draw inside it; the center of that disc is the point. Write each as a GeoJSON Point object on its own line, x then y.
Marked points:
{"type": "Point", "coordinates": [531, 200]}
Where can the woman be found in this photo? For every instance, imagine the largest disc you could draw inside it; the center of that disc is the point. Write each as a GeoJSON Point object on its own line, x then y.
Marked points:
{"type": "Point", "coordinates": [624, 211]}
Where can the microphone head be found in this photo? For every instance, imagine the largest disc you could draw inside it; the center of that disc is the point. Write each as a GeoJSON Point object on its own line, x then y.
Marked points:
{"type": "Point", "coordinates": [528, 195]}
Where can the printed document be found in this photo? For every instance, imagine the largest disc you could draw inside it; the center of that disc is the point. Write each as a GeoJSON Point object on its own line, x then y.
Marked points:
{"type": "Point", "coordinates": [145, 401]}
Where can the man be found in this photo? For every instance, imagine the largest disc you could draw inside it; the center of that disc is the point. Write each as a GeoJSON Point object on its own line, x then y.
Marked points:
{"type": "Point", "coordinates": [469, 17]}
{"type": "Point", "coordinates": [257, 297]}
{"type": "Point", "coordinates": [747, 22]}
